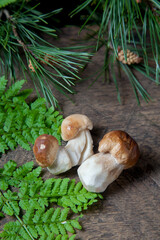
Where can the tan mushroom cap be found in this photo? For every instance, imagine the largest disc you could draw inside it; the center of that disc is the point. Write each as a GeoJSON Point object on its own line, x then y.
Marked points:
{"type": "Point", "coordinates": [45, 150]}
{"type": "Point", "coordinates": [73, 124]}
{"type": "Point", "coordinates": [121, 146]}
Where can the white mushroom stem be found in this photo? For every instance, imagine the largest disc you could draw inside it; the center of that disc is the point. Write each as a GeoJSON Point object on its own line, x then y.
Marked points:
{"type": "Point", "coordinates": [62, 162]}
{"type": "Point", "coordinates": [88, 149]}
{"type": "Point", "coordinates": [80, 148]}
{"type": "Point", "coordinates": [98, 171]}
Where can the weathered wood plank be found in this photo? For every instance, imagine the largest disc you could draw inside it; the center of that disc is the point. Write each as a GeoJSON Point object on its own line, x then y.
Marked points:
{"type": "Point", "coordinates": [131, 206]}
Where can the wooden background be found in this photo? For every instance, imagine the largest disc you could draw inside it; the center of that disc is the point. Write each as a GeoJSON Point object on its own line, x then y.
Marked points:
{"type": "Point", "coordinates": [130, 209]}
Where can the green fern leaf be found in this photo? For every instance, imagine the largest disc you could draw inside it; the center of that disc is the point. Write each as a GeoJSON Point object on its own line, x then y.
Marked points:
{"type": "Point", "coordinates": [72, 237]}
{"type": "Point", "coordinates": [21, 141]}
{"type": "Point", "coordinates": [11, 198]}
{"type": "Point", "coordinates": [66, 202]}
{"type": "Point", "coordinates": [59, 237]}
{"type": "Point", "coordinates": [78, 187]}
{"type": "Point", "coordinates": [64, 186]}
{"type": "Point", "coordinates": [50, 111]}
{"type": "Point", "coordinates": [38, 103]}
{"type": "Point", "coordinates": [43, 202]}
{"type": "Point", "coordinates": [76, 224]}
{"type": "Point", "coordinates": [3, 185]}
{"type": "Point", "coordinates": [47, 229]}
{"type": "Point", "coordinates": [81, 198]}
{"type": "Point", "coordinates": [34, 189]}
{"type": "Point", "coordinates": [4, 3]}
{"type": "Point", "coordinates": [22, 232]}
{"type": "Point", "coordinates": [8, 210]}
{"type": "Point", "coordinates": [74, 200]}
{"type": "Point", "coordinates": [34, 133]}
{"type": "Point", "coordinates": [56, 214]}
{"type": "Point", "coordinates": [9, 168]}
{"type": "Point", "coordinates": [3, 146]}
{"type": "Point", "coordinates": [30, 118]}
{"type": "Point", "coordinates": [71, 186]}
{"type": "Point", "coordinates": [61, 228]}
{"type": "Point", "coordinates": [15, 207]}
{"type": "Point", "coordinates": [8, 121]}
{"type": "Point", "coordinates": [38, 215]}
{"type": "Point", "coordinates": [19, 120]}
{"type": "Point", "coordinates": [40, 229]}
{"type": "Point", "coordinates": [24, 204]}
{"type": "Point", "coordinates": [51, 236]}
{"type": "Point", "coordinates": [48, 214]}
{"type": "Point", "coordinates": [25, 172]}
{"type": "Point", "coordinates": [14, 89]}
{"type": "Point", "coordinates": [28, 216]}
{"type": "Point", "coordinates": [9, 140]}
{"type": "Point", "coordinates": [69, 227]}
{"type": "Point", "coordinates": [32, 176]}
{"type": "Point", "coordinates": [47, 186]}
{"type": "Point", "coordinates": [56, 186]}
{"type": "Point", "coordinates": [3, 82]}
{"type": "Point", "coordinates": [26, 133]}
{"type": "Point", "coordinates": [33, 231]}
{"type": "Point", "coordinates": [55, 229]}
{"type": "Point", "coordinates": [64, 214]}
{"type": "Point", "coordinates": [20, 97]}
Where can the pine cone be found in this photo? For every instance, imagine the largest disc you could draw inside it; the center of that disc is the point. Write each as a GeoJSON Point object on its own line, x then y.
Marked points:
{"type": "Point", "coordinates": [131, 57]}
{"type": "Point", "coordinates": [31, 66]}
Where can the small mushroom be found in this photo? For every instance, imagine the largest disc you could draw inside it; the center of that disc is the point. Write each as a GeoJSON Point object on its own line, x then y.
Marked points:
{"type": "Point", "coordinates": [75, 129]}
{"type": "Point", "coordinates": [117, 151]}
{"type": "Point", "coordinates": [49, 154]}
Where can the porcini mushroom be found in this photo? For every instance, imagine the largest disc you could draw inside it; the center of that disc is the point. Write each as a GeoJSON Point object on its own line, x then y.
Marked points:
{"type": "Point", "coordinates": [49, 154]}
{"type": "Point", "coordinates": [75, 129]}
{"type": "Point", "coordinates": [117, 151]}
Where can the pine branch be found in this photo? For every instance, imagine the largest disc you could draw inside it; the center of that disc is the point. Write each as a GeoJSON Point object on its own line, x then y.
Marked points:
{"type": "Point", "coordinates": [126, 24]}
{"type": "Point", "coordinates": [23, 27]}
{"type": "Point", "coordinates": [22, 123]}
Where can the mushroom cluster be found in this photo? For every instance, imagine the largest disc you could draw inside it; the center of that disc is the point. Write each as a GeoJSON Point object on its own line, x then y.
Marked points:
{"type": "Point", "coordinates": [117, 151]}
{"type": "Point", "coordinates": [74, 129]}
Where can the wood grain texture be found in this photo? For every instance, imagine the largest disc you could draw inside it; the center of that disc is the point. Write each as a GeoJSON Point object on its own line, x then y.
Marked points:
{"type": "Point", "coordinates": [131, 206]}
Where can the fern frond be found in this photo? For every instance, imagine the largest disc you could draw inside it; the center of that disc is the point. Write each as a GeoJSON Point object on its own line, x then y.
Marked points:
{"type": "Point", "coordinates": [22, 123]}
{"type": "Point", "coordinates": [51, 221]}
{"type": "Point", "coordinates": [14, 89]}
{"type": "Point", "coordinates": [35, 197]}
{"type": "Point", "coordinates": [11, 175]}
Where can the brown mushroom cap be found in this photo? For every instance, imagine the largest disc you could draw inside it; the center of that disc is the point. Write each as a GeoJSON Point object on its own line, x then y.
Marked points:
{"type": "Point", "coordinates": [45, 150]}
{"type": "Point", "coordinates": [121, 146]}
{"type": "Point", "coordinates": [73, 124]}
